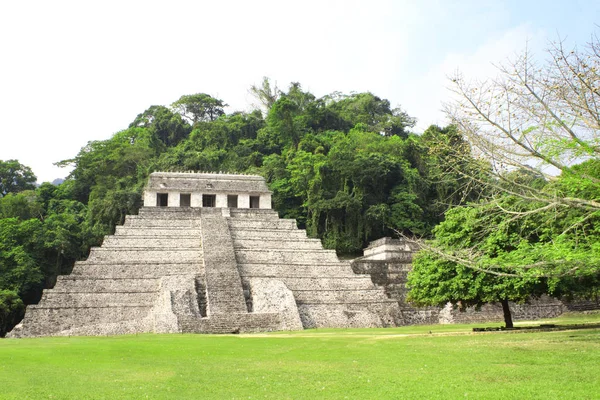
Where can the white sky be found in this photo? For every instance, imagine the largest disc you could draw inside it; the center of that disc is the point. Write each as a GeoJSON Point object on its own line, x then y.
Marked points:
{"type": "Point", "coordinates": [75, 71]}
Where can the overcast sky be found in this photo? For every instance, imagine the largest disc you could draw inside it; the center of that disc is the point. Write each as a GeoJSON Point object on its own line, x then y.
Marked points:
{"type": "Point", "coordinates": [75, 71]}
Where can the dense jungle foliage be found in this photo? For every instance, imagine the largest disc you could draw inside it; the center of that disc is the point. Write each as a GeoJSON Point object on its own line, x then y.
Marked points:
{"type": "Point", "coordinates": [346, 167]}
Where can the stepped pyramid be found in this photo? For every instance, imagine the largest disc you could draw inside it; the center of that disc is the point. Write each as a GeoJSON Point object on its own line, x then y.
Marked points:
{"type": "Point", "coordinates": [206, 254]}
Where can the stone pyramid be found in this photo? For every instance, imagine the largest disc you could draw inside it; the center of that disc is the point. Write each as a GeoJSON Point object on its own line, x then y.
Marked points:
{"type": "Point", "coordinates": [209, 260]}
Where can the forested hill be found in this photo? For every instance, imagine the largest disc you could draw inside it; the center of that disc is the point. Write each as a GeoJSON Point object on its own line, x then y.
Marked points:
{"type": "Point", "coordinates": [346, 167]}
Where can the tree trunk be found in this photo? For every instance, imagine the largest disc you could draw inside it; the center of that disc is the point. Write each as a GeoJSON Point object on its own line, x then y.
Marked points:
{"type": "Point", "coordinates": [507, 315]}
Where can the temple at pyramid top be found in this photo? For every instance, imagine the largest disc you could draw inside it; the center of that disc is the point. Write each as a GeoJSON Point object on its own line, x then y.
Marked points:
{"type": "Point", "coordinates": [187, 189]}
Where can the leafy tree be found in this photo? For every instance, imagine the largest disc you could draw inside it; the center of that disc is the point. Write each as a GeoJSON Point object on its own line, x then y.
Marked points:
{"type": "Point", "coordinates": [226, 144]}
{"type": "Point", "coordinates": [102, 168]}
{"type": "Point", "coordinates": [15, 177]}
{"type": "Point", "coordinates": [431, 153]}
{"type": "Point", "coordinates": [24, 205]}
{"type": "Point", "coordinates": [42, 233]}
{"type": "Point", "coordinates": [540, 119]}
{"type": "Point", "coordinates": [169, 128]}
{"type": "Point", "coordinates": [372, 111]}
{"type": "Point", "coordinates": [199, 107]}
{"type": "Point", "coordinates": [437, 280]}
{"type": "Point", "coordinates": [512, 252]}
{"type": "Point", "coordinates": [20, 270]}
{"type": "Point", "coordinates": [12, 310]}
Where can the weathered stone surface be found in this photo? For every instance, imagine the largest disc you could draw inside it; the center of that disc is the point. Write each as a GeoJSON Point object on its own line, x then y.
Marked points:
{"type": "Point", "coordinates": [348, 315]}
{"type": "Point", "coordinates": [277, 243]}
{"type": "Point", "coordinates": [261, 255]}
{"type": "Point", "coordinates": [185, 181]}
{"type": "Point", "coordinates": [272, 296]}
{"type": "Point", "coordinates": [331, 270]}
{"type": "Point", "coordinates": [207, 271]}
{"type": "Point", "coordinates": [223, 281]}
{"type": "Point", "coordinates": [133, 270]}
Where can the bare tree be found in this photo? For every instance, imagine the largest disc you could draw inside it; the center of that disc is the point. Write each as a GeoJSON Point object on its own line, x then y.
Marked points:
{"type": "Point", "coordinates": [535, 121]}
{"type": "Point", "coordinates": [266, 94]}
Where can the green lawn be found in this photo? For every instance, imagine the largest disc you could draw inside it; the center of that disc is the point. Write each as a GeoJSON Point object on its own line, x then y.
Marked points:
{"type": "Point", "coordinates": [398, 363]}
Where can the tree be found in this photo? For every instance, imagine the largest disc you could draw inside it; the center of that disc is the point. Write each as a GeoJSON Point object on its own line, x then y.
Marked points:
{"type": "Point", "coordinates": [199, 107]}
{"type": "Point", "coordinates": [15, 177]}
{"type": "Point", "coordinates": [437, 277]}
{"type": "Point", "coordinates": [265, 94]}
{"type": "Point", "coordinates": [537, 120]}
{"type": "Point", "coordinates": [122, 161]}
{"type": "Point", "coordinates": [24, 205]}
{"type": "Point", "coordinates": [20, 269]}
{"type": "Point", "coordinates": [11, 310]}
{"type": "Point", "coordinates": [168, 127]}
{"type": "Point", "coordinates": [372, 111]}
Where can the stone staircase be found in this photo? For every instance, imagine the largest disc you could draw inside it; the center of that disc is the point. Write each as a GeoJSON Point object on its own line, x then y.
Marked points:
{"type": "Point", "coordinates": [326, 291]}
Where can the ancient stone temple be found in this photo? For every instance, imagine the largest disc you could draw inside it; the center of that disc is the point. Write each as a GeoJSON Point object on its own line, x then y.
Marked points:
{"type": "Point", "coordinates": [207, 254]}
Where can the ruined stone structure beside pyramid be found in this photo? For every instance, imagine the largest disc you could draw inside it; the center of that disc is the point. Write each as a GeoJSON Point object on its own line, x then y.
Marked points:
{"type": "Point", "coordinates": [207, 254]}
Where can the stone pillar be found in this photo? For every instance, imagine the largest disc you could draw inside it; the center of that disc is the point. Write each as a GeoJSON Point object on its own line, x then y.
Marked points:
{"type": "Point", "coordinates": [196, 200]}
{"type": "Point", "coordinates": [173, 199]}
{"type": "Point", "coordinates": [149, 198]}
{"type": "Point", "coordinates": [244, 200]}
{"type": "Point", "coordinates": [265, 200]}
{"type": "Point", "coordinates": [221, 201]}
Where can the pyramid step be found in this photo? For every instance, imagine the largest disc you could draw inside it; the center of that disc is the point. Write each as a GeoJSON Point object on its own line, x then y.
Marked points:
{"type": "Point", "coordinates": [284, 244]}
{"type": "Point", "coordinates": [285, 256]}
{"type": "Point", "coordinates": [238, 223]}
{"type": "Point", "coordinates": [40, 320]}
{"type": "Point", "coordinates": [99, 299]}
{"type": "Point", "coordinates": [145, 255]}
{"type": "Point", "coordinates": [133, 270]}
{"type": "Point", "coordinates": [150, 242]}
{"type": "Point", "coordinates": [72, 284]}
{"type": "Point", "coordinates": [298, 270]}
{"type": "Point", "coordinates": [349, 315]}
{"type": "Point", "coordinates": [253, 213]}
{"type": "Point", "coordinates": [319, 283]}
{"type": "Point", "coordinates": [340, 296]}
{"type": "Point", "coordinates": [231, 323]}
{"type": "Point", "coordinates": [267, 234]}
{"type": "Point", "coordinates": [138, 221]}
{"type": "Point", "coordinates": [158, 231]}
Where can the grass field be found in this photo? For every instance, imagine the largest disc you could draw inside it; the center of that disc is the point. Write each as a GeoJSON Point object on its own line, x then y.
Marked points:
{"type": "Point", "coordinates": [398, 363]}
